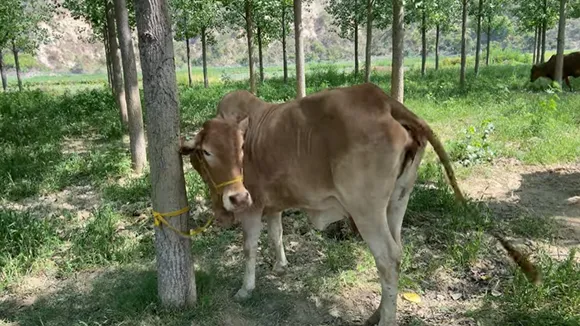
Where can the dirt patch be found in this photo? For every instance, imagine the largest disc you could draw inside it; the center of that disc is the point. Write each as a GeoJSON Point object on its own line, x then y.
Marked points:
{"type": "Point", "coordinates": [512, 189]}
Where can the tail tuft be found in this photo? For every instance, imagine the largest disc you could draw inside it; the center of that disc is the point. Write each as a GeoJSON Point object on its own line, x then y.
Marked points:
{"type": "Point", "coordinates": [527, 267]}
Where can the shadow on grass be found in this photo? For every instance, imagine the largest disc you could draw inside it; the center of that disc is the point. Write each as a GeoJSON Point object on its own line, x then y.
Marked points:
{"type": "Point", "coordinates": [128, 296]}
{"type": "Point", "coordinates": [544, 196]}
{"type": "Point", "coordinates": [42, 136]}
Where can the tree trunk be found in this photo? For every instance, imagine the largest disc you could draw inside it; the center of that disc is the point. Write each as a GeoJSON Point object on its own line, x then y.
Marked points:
{"type": "Point", "coordinates": [437, 32]}
{"type": "Point", "coordinates": [3, 72]}
{"type": "Point", "coordinates": [356, 66]}
{"type": "Point", "coordinates": [543, 54]}
{"type": "Point", "coordinates": [369, 41]}
{"type": "Point", "coordinates": [487, 46]}
{"type": "Point", "coordinates": [115, 55]}
{"type": "Point", "coordinates": [463, 45]}
{"type": "Point", "coordinates": [397, 80]}
{"type": "Point", "coordinates": [478, 41]}
{"type": "Point", "coordinates": [539, 44]}
{"type": "Point", "coordinates": [561, 37]}
{"type": "Point", "coordinates": [249, 32]}
{"type": "Point", "coordinates": [176, 280]}
{"type": "Point", "coordinates": [544, 28]}
{"type": "Point", "coordinates": [17, 65]}
{"type": "Point", "coordinates": [107, 58]}
{"type": "Point", "coordinates": [188, 54]}
{"type": "Point", "coordinates": [423, 42]}
{"type": "Point", "coordinates": [284, 55]}
{"type": "Point", "coordinates": [299, 47]}
{"type": "Point", "coordinates": [204, 57]}
{"type": "Point", "coordinates": [136, 132]}
{"type": "Point", "coordinates": [356, 22]}
{"type": "Point", "coordinates": [535, 45]}
{"type": "Point", "coordinates": [260, 58]}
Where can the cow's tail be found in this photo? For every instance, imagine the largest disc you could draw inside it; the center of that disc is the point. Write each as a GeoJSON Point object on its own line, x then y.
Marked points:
{"type": "Point", "coordinates": [420, 129]}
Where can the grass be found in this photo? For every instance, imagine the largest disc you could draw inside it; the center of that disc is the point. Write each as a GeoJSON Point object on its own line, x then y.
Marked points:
{"type": "Point", "coordinates": [72, 215]}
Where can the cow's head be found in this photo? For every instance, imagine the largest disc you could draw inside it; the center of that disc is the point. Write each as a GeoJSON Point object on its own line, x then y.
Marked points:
{"type": "Point", "coordinates": [536, 72]}
{"type": "Point", "coordinates": [216, 154]}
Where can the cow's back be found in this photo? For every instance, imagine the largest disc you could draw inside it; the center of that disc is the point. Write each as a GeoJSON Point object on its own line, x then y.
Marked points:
{"type": "Point", "coordinates": [572, 64]}
{"type": "Point", "coordinates": [292, 148]}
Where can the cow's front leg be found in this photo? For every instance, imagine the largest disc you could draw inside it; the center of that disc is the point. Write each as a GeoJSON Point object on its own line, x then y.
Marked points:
{"type": "Point", "coordinates": [251, 226]}
{"type": "Point", "coordinates": [275, 235]}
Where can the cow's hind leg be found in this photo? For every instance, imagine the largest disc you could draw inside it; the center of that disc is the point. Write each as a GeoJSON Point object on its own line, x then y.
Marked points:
{"type": "Point", "coordinates": [395, 212]}
{"type": "Point", "coordinates": [374, 229]}
{"type": "Point", "coordinates": [275, 235]}
{"type": "Point", "coordinates": [400, 197]}
{"type": "Point", "coordinates": [251, 227]}
{"type": "Point", "coordinates": [568, 82]}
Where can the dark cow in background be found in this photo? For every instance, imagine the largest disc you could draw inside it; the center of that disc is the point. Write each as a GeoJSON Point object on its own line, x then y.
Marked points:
{"type": "Point", "coordinates": [547, 69]}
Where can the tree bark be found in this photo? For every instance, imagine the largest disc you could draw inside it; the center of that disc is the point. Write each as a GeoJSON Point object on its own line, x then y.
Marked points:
{"type": "Point", "coordinates": [535, 45]}
{"type": "Point", "coordinates": [423, 42]}
{"type": "Point", "coordinates": [437, 32]}
{"type": "Point", "coordinates": [176, 280]}
{"type": "Point", "coordinates": [188, 54]}
{"type": "Point", "coordinates": [249, 32]}
{"type": "Point", "coordinates": [17, 65]}
{"type": "Point", "coordinates": [356, 63]}
{"type": "Point", "coordinates": [356, 22]}
{"type": "Point", "coordinates": [544, 27]}
{"type": "Point", "coordinates": [136, 132]}
{"type": "Point", "coordinates": [115, 55]}
{"type": "Point", "coordinates": [463, 44]}
{"type": "Point", "coordinates": [107, 59]}
{"type": "Point", "coordinates": [561, 39]}
{"type": "Point", "coordinates": [478, 41]}
{"type": "Point", "coordinates": [3, 72]}
{"type": "Point", "coordinates": [487, 46]}
{"type": "Point", "coordinates": [397, 80]}
{"type": "Point", "coordinates": [543, 53]}
{"type": "Point", "coordinates": [284, 54]}
{"type": "Point", "coordinates": [260, 59]}
{"type": "Point", "coordinates": [204, 57]}
{"type": "Point", "coordinates": [369, 41]}
{"type": "Point", "coordinates": [539, 44]}
{"type": "Point", "coordinates": [299, 47]}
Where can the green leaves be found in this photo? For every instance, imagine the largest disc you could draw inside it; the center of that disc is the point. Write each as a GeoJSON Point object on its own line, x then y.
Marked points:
{"type": "Point", "coordinates": [190, 17]}
{"type": "Point", "coordinates": [20, 22]}
{"type": "Point", "coordinates": [532, 13]}
{"type": "Point", "coordinates": [346, 15]}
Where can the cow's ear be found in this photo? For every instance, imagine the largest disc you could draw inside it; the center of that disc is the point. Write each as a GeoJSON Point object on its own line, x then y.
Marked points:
{"type": "Point", "coordinates": [189, 146]}
{"type": "Point", "coordinates": [243, 125]}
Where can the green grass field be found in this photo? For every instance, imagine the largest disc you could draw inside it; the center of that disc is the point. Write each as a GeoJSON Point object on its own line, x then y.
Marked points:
{"type": "Point", "coordinates": [77, 234]}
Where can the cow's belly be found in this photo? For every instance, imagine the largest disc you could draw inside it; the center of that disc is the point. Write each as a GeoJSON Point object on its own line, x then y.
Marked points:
{"type": "Point", "coordinates": [325, 212]}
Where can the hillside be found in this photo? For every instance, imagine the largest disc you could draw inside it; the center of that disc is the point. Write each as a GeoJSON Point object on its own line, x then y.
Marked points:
{"type": "Point", "coordinates": [74, 49]}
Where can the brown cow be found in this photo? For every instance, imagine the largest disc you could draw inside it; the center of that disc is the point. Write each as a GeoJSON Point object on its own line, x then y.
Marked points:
{"type": "Point", "coordinates": [351, 150]}
{"type": "Point", "coordinates": [548, 69]}
{"type": "Point", "coordinates": [237, 105]}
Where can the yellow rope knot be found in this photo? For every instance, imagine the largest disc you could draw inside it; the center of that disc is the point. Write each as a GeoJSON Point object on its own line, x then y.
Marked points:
{"type": "Point", "coordinates": [159, 218]}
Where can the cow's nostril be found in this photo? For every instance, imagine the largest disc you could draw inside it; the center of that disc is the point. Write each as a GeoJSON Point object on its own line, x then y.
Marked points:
{"type": "Point", "coordinates": [240, 198]}
{"type": "Point", "coordinates": [234, 199]}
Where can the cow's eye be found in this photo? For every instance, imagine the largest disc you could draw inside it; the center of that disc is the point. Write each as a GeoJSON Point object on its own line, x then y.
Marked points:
{"type": "Point", "coordinates": [206, 153]}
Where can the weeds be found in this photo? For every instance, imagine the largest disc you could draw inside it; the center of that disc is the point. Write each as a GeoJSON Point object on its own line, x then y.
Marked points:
{"type": "Point", "coordinates": [475, 147]}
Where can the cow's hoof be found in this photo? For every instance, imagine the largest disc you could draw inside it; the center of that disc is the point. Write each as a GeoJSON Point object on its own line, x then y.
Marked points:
{"type": "Point", "coordinates": [280, 269]}
{"type": "Point", "coordinates": [374, 319]}
{"type": "Point", "coordinates": [242, 295]}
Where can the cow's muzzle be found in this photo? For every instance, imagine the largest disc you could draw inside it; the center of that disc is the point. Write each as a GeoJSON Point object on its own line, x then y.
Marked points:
{"type": "Point", "coordinates": [236, 199]}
